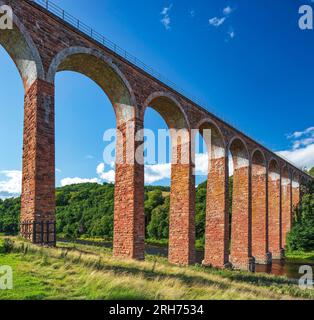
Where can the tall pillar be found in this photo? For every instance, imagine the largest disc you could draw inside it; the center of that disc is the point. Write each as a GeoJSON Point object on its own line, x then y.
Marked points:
{"type": "Point", "coordinates": [182, 205]}
{"type": "Point", "coordinates": [259, 210]}
{"type": "Point", "coordinates": [38, 182]}
{"type": "Point", "coordinates": [241, 249]}
{"type": "Point", "coordinates": [129, 220]}
{"type": "Point", "coordinates": [274, 221]}
{"type": "Point", "coordinates": [217, 214]}
{"type": "Point", "coordinates": [286, 207]}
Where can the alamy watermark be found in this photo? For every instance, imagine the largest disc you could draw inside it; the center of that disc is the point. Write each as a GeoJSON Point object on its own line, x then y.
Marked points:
{"type": "Point", "coordinates": [306, 18]}
{"type": "Point", "coordinates": [306, 281]}
{"type": "Point", "coordinates": [6, 278]}
{"type": "Point", "coordinates": [6, 17]}
{"type": "Point", "coordinates": [147, 147]}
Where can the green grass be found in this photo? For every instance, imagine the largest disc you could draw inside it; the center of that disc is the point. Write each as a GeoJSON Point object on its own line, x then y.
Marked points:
{"type": "Point", "coordinates": [300, 256]}
{"type": "Point", "coordinates": [73, 271]}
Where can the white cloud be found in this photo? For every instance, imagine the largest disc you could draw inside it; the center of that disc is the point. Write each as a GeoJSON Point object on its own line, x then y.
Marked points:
{"type": "Point", "coordinates": [11, 186]}
{"type": "Point", "coordinates": [108, 176]}
{"type": "Point", "coordinates": [216, 22]}
{"type": "Point", "coordinates": [302, 151]}
{"type": "Point", "coordinates": [71, 181]}
{"type": "Point", "coordinates": [157, 172]}
{"type": "Point", "coordinates": [227, 11]}
{"type": "Point", "coordinates": [166, 20]}
{"type": "Point", "coordinates": [89, 157]}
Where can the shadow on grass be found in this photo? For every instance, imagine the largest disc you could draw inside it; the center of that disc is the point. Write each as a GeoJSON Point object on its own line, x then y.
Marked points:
{"type": "Point", "coordinates": [148, 274]}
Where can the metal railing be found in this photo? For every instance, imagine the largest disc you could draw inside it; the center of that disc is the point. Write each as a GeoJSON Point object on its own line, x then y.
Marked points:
{"type": "Point", "coordinates": [104, 41]}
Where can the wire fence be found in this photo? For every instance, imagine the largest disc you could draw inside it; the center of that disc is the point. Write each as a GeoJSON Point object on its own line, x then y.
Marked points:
{"type": "Point", "coordinates": [104, 41]}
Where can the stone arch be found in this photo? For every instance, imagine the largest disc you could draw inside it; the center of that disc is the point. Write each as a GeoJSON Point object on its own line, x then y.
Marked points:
{"type": "Point", "coordinates": [286, 203]}
{"type": "Point", "coordinates": [216, 238]}
{"type": "Point", "coordinates": [241, 216]}
{"type": "Point", "coordinates": [21, 48]}
{"type": "Point", "coordinates": [102, 70]}
{"type": "Point", "coordinates": [182, 196]}
{"type": "Point", "coordinates": [274, 201]}
{"type": "Point", "coordinates": [259, 207]}
{"type": "Point", "coordinates": [169, 108]}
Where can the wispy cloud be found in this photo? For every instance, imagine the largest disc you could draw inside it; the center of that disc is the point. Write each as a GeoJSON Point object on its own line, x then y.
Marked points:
{"type": "Point", "coordinates": [216, 22]}
{"type": "Point", "coordinates": [219, 21]}
{"type": "Point", "coordinates": [192, 13]}
{"type": "Point", "coordinates": [166, 19]}
{"type": "Point", "coordinates": [227, 11]}
{"type": "Point", "coordinates": [231, 33]}
{"type": "Point", "coordinates": [302, 148]}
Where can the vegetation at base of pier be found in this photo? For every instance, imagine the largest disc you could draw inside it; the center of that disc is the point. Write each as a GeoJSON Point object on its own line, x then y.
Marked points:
{"type": "Point", "coordinates": [86, 211]}
{"type": "Point", "coordinates": [73, 271]}
{"type": "Point", "coordinates": [301, 237]}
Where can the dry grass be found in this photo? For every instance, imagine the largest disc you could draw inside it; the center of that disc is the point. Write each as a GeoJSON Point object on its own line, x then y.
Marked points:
{"type": "Point", "coordinates": [73, 271]}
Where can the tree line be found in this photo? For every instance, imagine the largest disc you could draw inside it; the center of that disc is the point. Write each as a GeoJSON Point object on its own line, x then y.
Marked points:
{"type": "Point", "coordinates": [88, 210]}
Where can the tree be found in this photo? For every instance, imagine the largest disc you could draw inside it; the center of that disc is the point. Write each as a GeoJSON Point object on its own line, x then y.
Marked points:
{"type": "Point", "coordinates": [158, 227]}
{"type": "Point", "coordinates": [153, 199]}
{"type": "Point", "coordinates": [311, 172]}
{"type": "Point", "coordinates": [301, 236]}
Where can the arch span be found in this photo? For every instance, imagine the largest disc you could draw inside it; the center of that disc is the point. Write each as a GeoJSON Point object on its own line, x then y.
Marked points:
{"type": "Point", "coordinates": [217, 219]}
{"type": "Point", "coordinates": [102, 70]}
{"type": "Point", "coordinates": [182, 196]}
{"type": "Point", "coordinates": [21, 48]}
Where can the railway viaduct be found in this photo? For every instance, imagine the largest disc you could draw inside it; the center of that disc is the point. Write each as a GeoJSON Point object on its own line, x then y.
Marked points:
{"type": "Point", "coordinates": [46, 40]}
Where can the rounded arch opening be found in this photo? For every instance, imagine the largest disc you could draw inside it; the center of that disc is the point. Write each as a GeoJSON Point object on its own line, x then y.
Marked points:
{"type": "Point", "coordinates": [174, 137]}
{"type": "Point", "coordinates": [210, 165]}
{"type": "Point", "coordinates": [84, 128]}
{"type": "Point", "coordinates": [11, 144]}
{"type": "Point", "coordinates": [21, 48]}
{"type": "Point", "coordinates": [102, 70]}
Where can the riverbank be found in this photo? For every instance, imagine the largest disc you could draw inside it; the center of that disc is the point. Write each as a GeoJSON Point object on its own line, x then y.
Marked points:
{"type": "Point", "coordinates": [75, 271]}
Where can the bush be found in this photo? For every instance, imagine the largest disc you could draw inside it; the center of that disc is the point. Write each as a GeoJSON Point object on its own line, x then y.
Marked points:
{"type": "Point", "coordinates": [301, 236]}
{"type": "Point", "coordinates": [7, 246]}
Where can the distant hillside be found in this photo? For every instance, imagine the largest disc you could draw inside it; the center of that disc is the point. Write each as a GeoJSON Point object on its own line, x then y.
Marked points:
{"type": "Point", "coordinates": [87, 210]}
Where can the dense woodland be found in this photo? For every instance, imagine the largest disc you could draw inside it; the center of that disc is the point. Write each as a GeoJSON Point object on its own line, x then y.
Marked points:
{"type": "Point", "coordinates": [87, 210]}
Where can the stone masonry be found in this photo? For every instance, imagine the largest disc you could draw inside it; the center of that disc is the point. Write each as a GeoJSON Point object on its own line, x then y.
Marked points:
{"type": "Point", "coordinates": [265, 187]}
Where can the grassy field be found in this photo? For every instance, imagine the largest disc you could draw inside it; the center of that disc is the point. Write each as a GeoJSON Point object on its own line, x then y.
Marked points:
{"type": "Point", "coordinates": [73, 271]}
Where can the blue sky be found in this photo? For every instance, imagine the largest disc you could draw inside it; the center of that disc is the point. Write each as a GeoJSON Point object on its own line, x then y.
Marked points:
{"type": "Point", "coordinates": [247, 59]}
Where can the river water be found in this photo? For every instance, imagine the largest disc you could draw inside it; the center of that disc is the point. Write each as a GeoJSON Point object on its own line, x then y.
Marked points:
{"type": "Point", "coordinates": [278, 267]}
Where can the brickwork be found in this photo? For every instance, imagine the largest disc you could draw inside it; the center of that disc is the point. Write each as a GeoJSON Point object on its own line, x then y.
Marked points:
{"type": "Point", "coordinates": [129, 221]}
{"type": "Point", "coordinates": [259, 209]}
{"type": "Point", "coordinates": [274, 201]}
{"type": "Point", "coordinates": [241, 249]}
{"type": "Point", "coordinates": [38, 190]}
{"type": "Point", "coordinates": [41, 45]}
